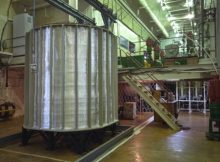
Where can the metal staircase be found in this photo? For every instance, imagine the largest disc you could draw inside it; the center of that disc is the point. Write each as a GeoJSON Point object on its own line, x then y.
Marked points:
{"type": "Point", "coordinates": [152, 101]}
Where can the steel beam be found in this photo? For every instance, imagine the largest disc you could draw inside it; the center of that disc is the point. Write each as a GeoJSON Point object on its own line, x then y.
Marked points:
{"type": "Point", "coordinates": [81, 18]}
{"type": "Point", "coordinates": [107, 14]}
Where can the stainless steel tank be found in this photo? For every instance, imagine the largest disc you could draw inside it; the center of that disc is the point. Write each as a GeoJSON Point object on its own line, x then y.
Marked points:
{"type": "Point", "coordinates": [71, 78]}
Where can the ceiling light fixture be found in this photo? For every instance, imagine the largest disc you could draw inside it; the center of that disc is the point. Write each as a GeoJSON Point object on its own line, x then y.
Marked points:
{"type": "Point", "coordinates": [165, 7]}
{"type": "Point", "coordinates": [173, 23]}
{"type": "Point", "coordinates": [189, 3]}
{"type": "Point", "coordinates": [171, 18]}
{"type": "Point", "coordinates": [189, 16]}
{"type": "Point", "coordinates": [159, 1]}
{"type": "Point", "coordinates": [177, 34]}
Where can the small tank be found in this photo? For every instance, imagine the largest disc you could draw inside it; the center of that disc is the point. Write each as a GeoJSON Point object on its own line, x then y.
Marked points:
{"type": "Point", "coordinates": [71, 78]}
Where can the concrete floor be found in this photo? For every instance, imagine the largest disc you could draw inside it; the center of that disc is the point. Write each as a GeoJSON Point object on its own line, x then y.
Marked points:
{"type": "Point", "coordinates": [36, 150]}
{"type": "Point", "coordinates": [11, 126]}
{"type": "Point", "coordinates": [157, 144]}
{"type": "Point", "coordinates": [153, 144]}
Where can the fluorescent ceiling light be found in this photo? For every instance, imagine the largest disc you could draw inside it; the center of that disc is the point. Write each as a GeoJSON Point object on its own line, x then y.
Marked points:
{"type": "Point", "coordinates": [175, 29]}
{"type": "Point", "coordinates": [176, 26]}
{"type": "Point", "coordinates": [165, 7]}
{"type": "Point", "coordinates": [189, 3]}
{"type": "Point", "coordinates": [168, 7]}
{"type": "Point", "coordinates": [189, 16]}
{"type": "Point", "coordinates": [177, 34]}
{"type": "Point", "coordinates": [173, 23]}
{"type": "Point", "coordinates": [171, 18]}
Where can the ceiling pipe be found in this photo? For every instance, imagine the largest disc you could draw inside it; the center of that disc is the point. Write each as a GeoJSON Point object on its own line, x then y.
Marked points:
{"type": "Point", "coordinates": [154, 17]}
{"type": "Point", "coordinates": [183, 18]}
{"type": "Point", "coordinates": [177, 1]}
{"type": "Point", "coordinates": [179, 10]}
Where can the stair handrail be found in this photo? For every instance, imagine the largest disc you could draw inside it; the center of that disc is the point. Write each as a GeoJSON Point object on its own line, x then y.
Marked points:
{"type": "Point", "coordinates": [128, 55]}
{"type": "Point", "coordinates": [152, 89]}
{"type": "Point", "coordinates": [134, 78]}
{"type": "Point", "coordinates": [148, 74]}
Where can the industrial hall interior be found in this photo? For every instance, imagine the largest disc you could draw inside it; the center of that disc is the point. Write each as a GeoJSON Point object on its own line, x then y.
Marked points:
{"type": "Point", "coordinates": [109, 80]}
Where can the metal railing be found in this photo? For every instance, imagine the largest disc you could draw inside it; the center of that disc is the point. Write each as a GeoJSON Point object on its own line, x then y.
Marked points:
{"type": "Point", "coordinates": [148, 74]}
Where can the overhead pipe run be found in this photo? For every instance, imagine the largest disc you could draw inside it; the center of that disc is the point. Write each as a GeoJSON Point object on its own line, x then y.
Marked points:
{"type": "Point", "coordinates": [160, 25]}
{"type": "Point", "coordinates": [107, 14]}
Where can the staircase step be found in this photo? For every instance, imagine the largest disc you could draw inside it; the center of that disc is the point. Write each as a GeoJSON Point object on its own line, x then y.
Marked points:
{"type": "Point", "coordinates": [153, 102]}
{"type": "Point", "coordinates": [145, 90]}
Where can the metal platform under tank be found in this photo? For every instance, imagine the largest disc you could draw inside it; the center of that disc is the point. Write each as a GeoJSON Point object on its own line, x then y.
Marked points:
{"type": "Point", "coordinates": [71, 79]}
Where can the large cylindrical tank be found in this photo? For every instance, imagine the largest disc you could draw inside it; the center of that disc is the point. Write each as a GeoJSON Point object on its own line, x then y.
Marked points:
{"type": "Point", "coordinates": [71, 78]}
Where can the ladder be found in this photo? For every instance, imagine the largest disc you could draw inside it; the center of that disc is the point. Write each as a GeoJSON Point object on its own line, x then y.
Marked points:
{"type": "Point", "coordinates": [152, 101]}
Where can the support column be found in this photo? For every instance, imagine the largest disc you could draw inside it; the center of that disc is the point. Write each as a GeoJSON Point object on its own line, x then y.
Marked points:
{"type": "Point", "coordinates": [177, 95]}
{"type": "Point", "coordinates": [197, 85]}
{"type": "Point", "coordinates": [181, 88]}
{"type": "Point", "coordinates": [139, 44]}
{"type": "Point", "coordinates": [218, 32]}
{"type": "Point", "coordinates": [204, 97]}
{"type": "Point", "coordinates": [196, 88]}
{"type": "Point", "coordinates": [190, 108]}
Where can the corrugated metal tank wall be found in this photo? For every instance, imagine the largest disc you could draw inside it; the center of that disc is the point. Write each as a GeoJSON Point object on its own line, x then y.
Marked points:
{"type": "Point", "coordinates": [71, 78]}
